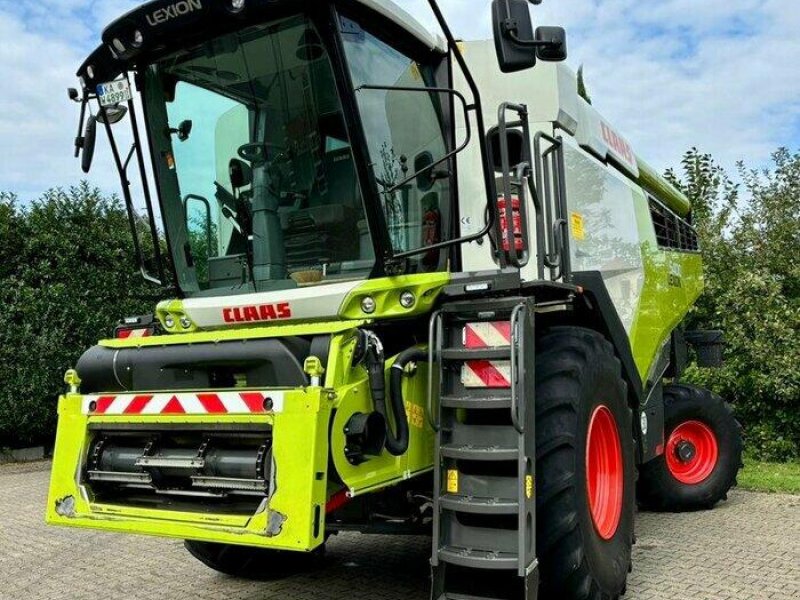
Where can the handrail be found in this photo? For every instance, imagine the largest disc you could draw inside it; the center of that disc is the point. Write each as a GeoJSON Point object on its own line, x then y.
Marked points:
{"type": "Point", "coordinates": [434, 354]}
{"type": "Point", "coordinates": [550, 181]}
{"type": "Point", "coordinates": [517, 355]}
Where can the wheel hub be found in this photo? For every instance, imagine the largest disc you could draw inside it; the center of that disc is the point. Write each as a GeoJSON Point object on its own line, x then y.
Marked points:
{"type": "Point", "coordinates": [692, 452]}
{"type": "Point", "coordinates": [685, 451]}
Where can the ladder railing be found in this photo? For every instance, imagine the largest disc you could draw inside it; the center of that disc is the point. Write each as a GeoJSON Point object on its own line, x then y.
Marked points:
{"type": "Point", "coordinates": [484, 521]}
{"type": "Point", "coordinates": [551, 186]}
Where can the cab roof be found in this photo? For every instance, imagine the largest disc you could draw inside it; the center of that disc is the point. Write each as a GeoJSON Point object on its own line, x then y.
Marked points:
{"type": "Point", "coordinates": [159, 26]}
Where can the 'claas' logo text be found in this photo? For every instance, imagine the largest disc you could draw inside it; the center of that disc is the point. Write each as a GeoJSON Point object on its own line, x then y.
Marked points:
{"type": "Point", "coordinates": [256, 314]}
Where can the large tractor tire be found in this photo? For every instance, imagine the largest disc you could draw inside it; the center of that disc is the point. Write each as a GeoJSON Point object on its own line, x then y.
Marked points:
{"type": "Point", "coordinates": [585, 466]}
{"type": "Point", "coordinates": [702, 455]}
{"type": "Point", "coordinates": [254, 563]}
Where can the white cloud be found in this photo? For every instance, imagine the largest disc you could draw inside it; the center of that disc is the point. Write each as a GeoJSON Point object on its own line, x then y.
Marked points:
{"type": "Point", "coordinates": [718, 74]}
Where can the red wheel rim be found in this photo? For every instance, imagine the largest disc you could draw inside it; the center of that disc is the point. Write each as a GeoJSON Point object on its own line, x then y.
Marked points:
{"type": "Point", "coordinates": [692, 452]}
{"type": "Point", "coordinates": [605, 482]}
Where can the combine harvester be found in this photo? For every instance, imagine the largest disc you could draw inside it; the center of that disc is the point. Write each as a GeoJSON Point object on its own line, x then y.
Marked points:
{"type": "Point", "coordinates": [424, 287]}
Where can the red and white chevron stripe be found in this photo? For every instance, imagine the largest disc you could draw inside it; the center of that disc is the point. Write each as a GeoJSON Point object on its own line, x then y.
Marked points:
{"type": "Point", "coordinates": [211, 403]}
{"type": "Point", "coordinates": [487, 335]}
{"type": "Point", "coordinates": [485, 373]}
{"type": "Point", "coordinates": [125, 334]}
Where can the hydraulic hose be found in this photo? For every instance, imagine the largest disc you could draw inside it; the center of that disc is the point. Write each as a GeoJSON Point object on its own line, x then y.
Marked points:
{"type": "Point", "coordinates": [375, 362]}
{"type": "Point", "coordinates": [397, 445]}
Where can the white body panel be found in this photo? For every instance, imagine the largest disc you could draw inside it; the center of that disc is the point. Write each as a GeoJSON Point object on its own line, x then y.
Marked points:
{"type": "Point", "coordinates": [311, 303]}
{"type": "Point", "coordinates": [599, 196]}
{"type": "Point", "coordinates": [392, 11]}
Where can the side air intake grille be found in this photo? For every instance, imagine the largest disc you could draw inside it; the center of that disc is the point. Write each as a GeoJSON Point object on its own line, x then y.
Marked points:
{"type": "Point", "coordinates": [672, 232]}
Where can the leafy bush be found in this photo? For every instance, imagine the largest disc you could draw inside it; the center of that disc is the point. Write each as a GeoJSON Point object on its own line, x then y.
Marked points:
{"type": "Point", "coordinates": [66, 278]}
{"type": "Point", "coordinates": [752, 274]}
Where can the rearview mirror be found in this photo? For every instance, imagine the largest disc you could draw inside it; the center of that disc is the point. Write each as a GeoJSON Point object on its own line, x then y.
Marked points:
{"type": "Point", "coordinates": [512, 24]}
{"type": "Point", "coordinates": [553, 44]}
{"type": "Point", "coordinates": [112, 114]}
{"type": "Point", "coordinates": [89, 141]}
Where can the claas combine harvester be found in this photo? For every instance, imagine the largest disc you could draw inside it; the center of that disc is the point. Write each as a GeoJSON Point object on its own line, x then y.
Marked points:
{"type": "Point", "coordinates": [421, 287]}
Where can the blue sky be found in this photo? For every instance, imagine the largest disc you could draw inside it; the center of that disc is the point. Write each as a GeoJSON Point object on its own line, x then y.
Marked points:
{"type": "Point", "coordinates": [722, 75]}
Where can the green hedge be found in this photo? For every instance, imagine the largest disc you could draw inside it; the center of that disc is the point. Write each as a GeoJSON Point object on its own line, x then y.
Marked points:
{"type": "Point", "coordinates": [751, 242]}
{"type": "Point", "coordinates": [66, 278]}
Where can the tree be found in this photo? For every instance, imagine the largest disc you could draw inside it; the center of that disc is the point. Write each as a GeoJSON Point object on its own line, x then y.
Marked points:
{"type": "Point", "coordinates": [66, 277]}
{"type": "Point", "coordinates": [753, 292]}
{"type": "Point", "coordinates": [582, 91]}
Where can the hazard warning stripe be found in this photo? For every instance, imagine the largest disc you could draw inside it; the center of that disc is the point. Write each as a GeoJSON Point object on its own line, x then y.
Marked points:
{"type": "Point", "coordinates": [487, 335]}
{"type": "Point", "coordinates": [125, 334]}
{"type": "Point", "coordinates": [486, 374]}
{"type": "Point", "coordinates": [223, 403]}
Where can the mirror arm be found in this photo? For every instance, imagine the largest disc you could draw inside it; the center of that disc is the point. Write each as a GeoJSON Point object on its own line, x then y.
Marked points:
{"type": "Point", "coordinates": [477, 108]}
{"type": "Point", "coordinates": [148, 200]}
{"type": "Point", "coordinates": [446, 157]}
{"type": "Point", "coordinates": [126, 195]}
{"type": "Point", "coordinates": [79, 139]}
{"type": "Point", "coordinates": [128, 160]}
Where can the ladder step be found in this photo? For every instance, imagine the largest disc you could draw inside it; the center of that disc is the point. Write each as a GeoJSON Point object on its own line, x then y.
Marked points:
{"type": "Point", "coordinates": [452, 596]}
{"type": "Point", "coordinates": [480, 506]}
{"type": "Point", "coordinates": [478, 559]}
{"type": "Point", "coordinates": [465, 354]}
{"type": "Point", "coordinates": [476, 402]}
{"type": "Point", "coordinates": [482, 453]}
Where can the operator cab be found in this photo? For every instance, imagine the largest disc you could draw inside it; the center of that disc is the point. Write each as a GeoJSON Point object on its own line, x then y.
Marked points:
{"type": "Point", "coordinates": [287, 153]}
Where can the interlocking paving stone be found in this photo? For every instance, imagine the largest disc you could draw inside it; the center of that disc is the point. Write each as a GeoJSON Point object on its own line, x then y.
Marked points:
{"type": "Point", "coordinates": [746, 549]}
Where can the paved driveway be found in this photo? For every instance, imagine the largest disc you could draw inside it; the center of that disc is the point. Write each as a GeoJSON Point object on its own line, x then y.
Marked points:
{"type": "Point", "coordinates": [747, 549]}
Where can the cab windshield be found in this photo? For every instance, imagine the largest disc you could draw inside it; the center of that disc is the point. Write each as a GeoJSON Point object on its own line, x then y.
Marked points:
{"type": "Point", "coordinates": [258, 181]}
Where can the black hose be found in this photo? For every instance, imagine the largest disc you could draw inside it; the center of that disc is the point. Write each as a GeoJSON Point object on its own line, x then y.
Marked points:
{"type": "Point", "coordinates": [397, 445]}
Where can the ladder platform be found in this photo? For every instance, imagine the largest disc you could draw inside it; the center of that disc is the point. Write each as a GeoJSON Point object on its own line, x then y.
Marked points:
{"type": "Point", "coordinates": [476, 402]}
{"type": "Point", "coordinates": [479, 506]}
{"type": "Point", "coordinates": [465, 354]}
{"type": "Point", "coordinates": [478, 559]}
{"type": "Point", "coordinates": [479, 453]}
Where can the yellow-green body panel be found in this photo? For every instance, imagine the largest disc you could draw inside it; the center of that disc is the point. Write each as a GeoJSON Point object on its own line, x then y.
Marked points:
{"type": "Point", "coordinates": [285, 522]}
{"type": "Point", "coordinates": [308, 435]}
{"type": "Point", "coordinates": [673, 281]}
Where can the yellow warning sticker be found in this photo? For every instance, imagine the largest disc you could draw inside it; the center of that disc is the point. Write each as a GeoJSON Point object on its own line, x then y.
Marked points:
{"type": "Point", "coordinates": [452, 481]}
{"type": "Point", "coordinates": [529, 487]}
{"type": "Point", "coordinates": [578, 231]}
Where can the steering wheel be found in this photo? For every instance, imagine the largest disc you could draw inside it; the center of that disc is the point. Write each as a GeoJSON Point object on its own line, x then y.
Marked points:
{"type": "Point", "coordinates": [276, 158]}
{"type": "Point", "coordinates": [262, 152]}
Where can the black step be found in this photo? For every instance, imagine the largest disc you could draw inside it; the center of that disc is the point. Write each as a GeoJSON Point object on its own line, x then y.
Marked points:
{"type": "Point", "coordinates": [476, 402]}
{"type": "Point", "coordinates": [465, 354]}
{"type": "Point", "coordinates": [478, 559]}
{"type": "Point", "coordinates": [479, 506]}
{"type": "Point", "coordinates": [482, 453]}
{"type": "Point", "coordinates": [452, 596]}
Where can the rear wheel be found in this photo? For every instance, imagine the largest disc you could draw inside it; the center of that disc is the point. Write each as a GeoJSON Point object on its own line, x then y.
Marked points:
{"type": "Point", "coordinates": [585, 467]}
{"type": "Point", "coordinates": [254, 563]}
{"type": "Point", "coordinates": [702, 454]}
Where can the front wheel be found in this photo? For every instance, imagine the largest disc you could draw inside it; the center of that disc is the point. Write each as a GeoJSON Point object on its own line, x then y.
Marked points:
{"type": "Point", "coordinates": [254, 563]}
{"type": "Point", "coordinates": [585, 467]}
{"type": "Point", "coordinates": [702, 454]}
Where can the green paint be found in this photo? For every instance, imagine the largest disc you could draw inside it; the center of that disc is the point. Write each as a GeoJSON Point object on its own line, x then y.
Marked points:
{"type": "Point", "coordinates": [672, 283]}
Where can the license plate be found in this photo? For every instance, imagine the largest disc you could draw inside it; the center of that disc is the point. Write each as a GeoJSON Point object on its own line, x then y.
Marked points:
{"type": "Point", "coordinates": [114, 92]}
